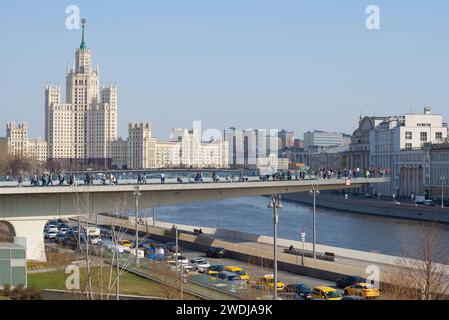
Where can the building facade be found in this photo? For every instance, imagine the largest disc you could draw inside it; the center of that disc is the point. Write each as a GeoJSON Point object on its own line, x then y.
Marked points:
{"type": "Point", "coordinates": [322, 139]}
{"type": "Point", "coordinates": [85, 125]}
{"type": "Point", "coordinates": [397, 144]}
{"type": "Point", "coordinates": [18, 144]}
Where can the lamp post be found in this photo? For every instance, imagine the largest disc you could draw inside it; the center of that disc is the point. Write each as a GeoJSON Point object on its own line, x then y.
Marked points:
{"type": "Point", "coordinates": [442, 179]}
{"type": "Point", "coordinates": [275, 204]}
{"type": "Point", "coordinates": [314, 191]}
{"type": "Point", "coordinates": [136, 196]}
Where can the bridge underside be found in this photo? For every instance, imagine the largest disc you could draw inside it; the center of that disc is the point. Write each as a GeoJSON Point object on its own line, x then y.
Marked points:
{"type": "Point", "coordinates": [28, 209]}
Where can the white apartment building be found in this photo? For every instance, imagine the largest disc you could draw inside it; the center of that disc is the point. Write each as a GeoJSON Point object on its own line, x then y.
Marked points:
{"type": "Point", "coordinates": [397, 144]}
{"type": "Point", "coordinates": [85, 125]}
{"type": "Point", "coordinates": [251, 148]}
{"type": "Point", "coordinates": [18, 144]}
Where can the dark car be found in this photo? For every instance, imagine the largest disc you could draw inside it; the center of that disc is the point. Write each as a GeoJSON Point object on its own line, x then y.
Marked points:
{"type": "Point", "coordinates": [170, 246]}
{"type": "Point", "coordinates": [214, 252]}
{"type": "Point", "coordinates": [345, 281]}
{"type": "Point", "coordinates": [216, 268]}
{"type": "Point", "coordinates": [301, 290]}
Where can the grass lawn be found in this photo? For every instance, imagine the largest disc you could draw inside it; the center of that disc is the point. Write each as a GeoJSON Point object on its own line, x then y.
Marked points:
{"type": "Point", "coordinates": [129, 284]}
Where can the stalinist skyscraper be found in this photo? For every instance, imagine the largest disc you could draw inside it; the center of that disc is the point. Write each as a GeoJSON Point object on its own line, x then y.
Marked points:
{"type": "Point", "coordinates": [81, 129]}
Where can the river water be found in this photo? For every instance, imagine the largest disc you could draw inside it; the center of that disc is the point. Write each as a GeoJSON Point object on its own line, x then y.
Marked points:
{"type": "Point", "coordinates": [335, 228]}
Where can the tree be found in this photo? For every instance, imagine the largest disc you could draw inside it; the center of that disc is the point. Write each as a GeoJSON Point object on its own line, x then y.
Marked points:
{"type": "Point", "coordinates": [422, 271]}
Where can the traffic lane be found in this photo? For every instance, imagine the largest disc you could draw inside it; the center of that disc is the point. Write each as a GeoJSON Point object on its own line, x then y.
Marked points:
{"type": "Point", "coordinates": [257, 271]}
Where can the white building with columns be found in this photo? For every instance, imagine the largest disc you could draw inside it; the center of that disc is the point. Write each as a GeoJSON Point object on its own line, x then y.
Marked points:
{"type": "Point", "coordinates": [397, 144]}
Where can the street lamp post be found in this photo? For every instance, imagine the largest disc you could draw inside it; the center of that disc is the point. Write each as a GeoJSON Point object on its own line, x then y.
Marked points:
{"type": "Point", "coordinates": [442, 179]}
{"type": "Point", "coordinates": [275, 204]}
{"type": "Point", "coordinates": [314, 192]}
{"type": "Point", "coordinates": [136, 196]}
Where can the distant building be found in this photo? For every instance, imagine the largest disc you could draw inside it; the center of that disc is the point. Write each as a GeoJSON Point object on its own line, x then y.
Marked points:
{"type": "Point", "coordinates": [397, 143]}
{"type": "Point", "coordinates": [183, 150]}
{"type": "Point", "coordinates": [319, 140]}
{"type": "Point", "coordinates": [438, 177]}
{"type": "Point", "coordinates": [18, 144]}
{"type": "Point", "coordinates": [81, 129]}
{"type": "Point", "coordinates": [286, 139]}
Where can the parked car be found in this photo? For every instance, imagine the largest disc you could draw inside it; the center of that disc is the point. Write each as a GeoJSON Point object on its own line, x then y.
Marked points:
{"type": "Point", "coordinates": [51, 227]}
{"type": "Point", "coordinates": [268, 281]}
{"type": "Point", "coordinates": [170, 246]}
{"type": "Point", "coordinates": [362, 290]}
{"type": "Point", "coordinates": [200, 264]}
{"type": "Point", "coordinates": [301, 290]}
{"type": "Point", "coordinates": [215, 269]}
{"type": "Point", "coordinates": [51, 234]}
{"type": "Point", "coordinates": [125, 243]}
{"type": "Point", "coordinates": [345, 281]}
{"type": "Point", "coordinates": [61, 238]}
{"type": "Point", "coordinates": [214, 252]}
{"type": "Point", "coordinates": [429, 203]}
{"type": "Point", "coordinates": [232, 278]}
{"type": "Point", "coordinates": [238, 271]}
{"type": "Point", "coordinates": [326, 293]}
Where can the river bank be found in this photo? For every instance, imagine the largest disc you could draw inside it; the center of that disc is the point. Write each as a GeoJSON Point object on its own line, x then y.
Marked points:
{"type": "Point", "coordinates": [374, 207]}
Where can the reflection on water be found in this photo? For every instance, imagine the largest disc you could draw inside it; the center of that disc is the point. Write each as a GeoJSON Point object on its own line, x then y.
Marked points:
{"type": "Point", "coordinates": [335, 228]}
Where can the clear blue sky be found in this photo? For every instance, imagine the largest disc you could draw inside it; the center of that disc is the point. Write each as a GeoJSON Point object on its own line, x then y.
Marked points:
{"type": "Point", "coordinates": [288, 64]}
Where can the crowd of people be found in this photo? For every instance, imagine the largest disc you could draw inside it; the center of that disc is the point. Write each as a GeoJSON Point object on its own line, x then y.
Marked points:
{"type": "Point", "coordinates": [49, 179]}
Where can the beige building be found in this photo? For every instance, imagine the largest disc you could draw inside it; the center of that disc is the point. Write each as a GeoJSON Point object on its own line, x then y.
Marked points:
{"type": "Point", "coordinates": [85, 125]}
{"type": "Point", "coordinates": [18, 144]}
{"type": "Point", "coordinates": [183, 150]}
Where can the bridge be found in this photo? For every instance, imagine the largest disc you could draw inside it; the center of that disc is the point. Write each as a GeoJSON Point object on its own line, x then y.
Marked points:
{"type": "Point", "coordinates": [26, 210]}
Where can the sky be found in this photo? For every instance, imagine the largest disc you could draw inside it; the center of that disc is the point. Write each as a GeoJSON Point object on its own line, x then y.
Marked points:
{"type": "Point", "coordinates": [298, 65]}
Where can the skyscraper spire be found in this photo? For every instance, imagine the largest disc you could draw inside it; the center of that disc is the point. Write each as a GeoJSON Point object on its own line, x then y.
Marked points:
{"type": "Point", "coordinates": [83, 44]}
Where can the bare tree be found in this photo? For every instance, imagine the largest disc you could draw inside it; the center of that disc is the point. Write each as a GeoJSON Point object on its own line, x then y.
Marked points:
{"type": "Point", "coordinates": [422, 271]}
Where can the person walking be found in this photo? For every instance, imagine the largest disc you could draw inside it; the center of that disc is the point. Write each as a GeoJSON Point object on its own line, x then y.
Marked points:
{"type": "Point", "coordinates": [162, 178]}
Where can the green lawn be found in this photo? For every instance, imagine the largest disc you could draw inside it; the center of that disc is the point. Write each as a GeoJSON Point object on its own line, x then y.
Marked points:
{"type": "Point", "coordinates": [129, 284]}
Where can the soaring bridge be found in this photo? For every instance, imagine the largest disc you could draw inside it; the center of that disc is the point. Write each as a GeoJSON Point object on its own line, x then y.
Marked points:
{"type": "Point", "coordinates": [26, 210]}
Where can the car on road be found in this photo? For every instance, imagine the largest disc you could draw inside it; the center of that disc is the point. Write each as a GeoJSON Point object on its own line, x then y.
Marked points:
{"type": "Point", "coordinates": [429, 203]}
{"type": "Point", "coordinates": [215, 269]}
{"type": "Point", "coordinates": [345, 281]}
{"type": "Point", "coordinates": [362, 290]}
{"type": "Point", "coordinates": [51, 234]}
{"type": "Point", "coordinates": [200, 264]}
{"type": "Point", "coordinates": [51, 227]}
{"type": "Point", "coordinates": [268, 281]}
{"type": "Point", "coordinates": [232, 278]}
{"type": "Point", "coordinates": [170, 246]}
{"type": "Point", "coordinates": [301, 290]}
{"type": "Point", "coordinates": [61, 238]}
{"type": "Point", "coordinates": [238, 271]}
{"type": "Point", "coordinates": [326, 293]}
{"type": "Point", "coordinates": [125, 243]}
{"type": "Point", "coordinates": [214, 252]}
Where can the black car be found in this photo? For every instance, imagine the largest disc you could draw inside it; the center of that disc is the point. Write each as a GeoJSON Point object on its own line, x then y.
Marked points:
{"type": "Point", "coordinates": [301, 290]}
{"type": "Point", "coordinates": [170, 246]}
{"type": "Point", "coordinates": [214, 252]}
{"type": "Point", "coordinates": [345, 281]}
{"type": "Point", "coordinates": [216, 268]}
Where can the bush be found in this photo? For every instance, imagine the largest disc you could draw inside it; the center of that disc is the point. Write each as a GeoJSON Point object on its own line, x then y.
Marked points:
{"type": "Point", "coordinates": [22, 293]}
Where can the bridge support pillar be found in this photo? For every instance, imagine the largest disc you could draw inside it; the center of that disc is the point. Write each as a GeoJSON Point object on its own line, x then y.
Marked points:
{"type": "Point", "coordinates": [33, 231]}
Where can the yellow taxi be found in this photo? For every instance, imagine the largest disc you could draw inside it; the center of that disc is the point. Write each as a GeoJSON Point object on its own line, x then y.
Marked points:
{"type": "Point", "coordinates": [125, 243]}
{"type": "Point", "coordinates": [238, 271]}
{"type": "Point", "coordinates": [363, 290]}
{"type": "Point", "coordinates": [326, 293]}
{"type": "Point", "coordinates": [268, 281]}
